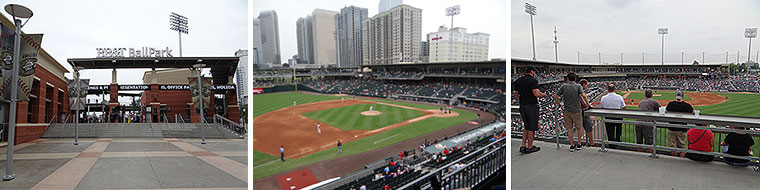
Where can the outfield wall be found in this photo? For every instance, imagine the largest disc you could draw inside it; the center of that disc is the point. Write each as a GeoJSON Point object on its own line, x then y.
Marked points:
{"type": "Point", "coordinates": [283, 88]}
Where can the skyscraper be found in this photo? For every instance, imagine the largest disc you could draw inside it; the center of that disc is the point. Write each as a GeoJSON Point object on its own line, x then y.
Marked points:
{"type": "Point", "coordinates": [467, 46]}
{"type": "Point", "coordinates": [323, 36]}
{"type": "Point", "coordinates": [303, 35]}
{"type": "Point", "coordinates": [256, 48]}
{"type": "Point", "coordinates": [424, 51]}
{"type": "Point", "coordinates": [385, 5]}
{"type": "Point", "coordinates": [392, 36]}
{"type": "Point", "coordinates": [241, 77]}
{"type": "Point", "coordinates": [270, 38]}
{"type": "Point", "coordinates": [348, 26]}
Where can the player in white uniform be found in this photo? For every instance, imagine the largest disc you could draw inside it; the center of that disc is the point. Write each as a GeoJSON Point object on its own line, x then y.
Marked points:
{"type": "Point", "coordinates": [371, 107]}
{"type": "Point", "coordinates": [319, 129]}
{"type": "Point", "coordinates": [294, 103]}
{"type": "Point", "coordinates": [342, 100]}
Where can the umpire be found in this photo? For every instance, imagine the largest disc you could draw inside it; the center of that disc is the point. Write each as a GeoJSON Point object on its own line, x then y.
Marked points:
{"type": "Point", "coordinates": [526, 91]}
{"type": "Point", "coordinates": [282, 153]}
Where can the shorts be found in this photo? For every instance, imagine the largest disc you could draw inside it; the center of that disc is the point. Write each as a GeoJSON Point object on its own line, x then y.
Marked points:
{"type": "Point", "coordinates": [588, 124]}
{"type": "Point", "coordinates": [677, 139]}
{"type": "Point", "coordinates": [573, 120]}
{"type": "Point", "coordinates": [529, 114]}
{"type": "Point", "coordinates": [644, 135]}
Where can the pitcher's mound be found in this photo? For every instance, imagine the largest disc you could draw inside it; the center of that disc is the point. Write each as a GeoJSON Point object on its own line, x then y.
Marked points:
{"type": "Point", "coordinates": [437, 113]}
{"type": "Point", "coordinates": [371, 113]}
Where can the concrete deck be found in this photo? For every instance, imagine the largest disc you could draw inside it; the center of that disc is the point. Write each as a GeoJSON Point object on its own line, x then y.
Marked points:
{"type": "Point", "coordinates": [553, 168]}
{"type": "Point", "coordinates": [128, 163]}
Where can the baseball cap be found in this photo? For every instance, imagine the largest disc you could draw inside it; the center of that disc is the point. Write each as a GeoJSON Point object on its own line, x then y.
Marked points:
{"type": "Point", "coordinates": [679, 95]}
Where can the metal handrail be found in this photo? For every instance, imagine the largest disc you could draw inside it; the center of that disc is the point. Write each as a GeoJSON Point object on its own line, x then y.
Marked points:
{"type": "Point", "coordinates": [51, 121]}
{"type": "Point", "coordinates": [230, 124]}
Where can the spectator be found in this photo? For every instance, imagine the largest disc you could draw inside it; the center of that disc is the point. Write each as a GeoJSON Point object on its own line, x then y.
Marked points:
{"type": "Point", "coordinates": [739, 144]}
{"type": "Point", "coordinates": [588, 125]}
{"type": "Point", "coordinates": [644, 132]}
{"type": "Point", "coordinates": [677, 136]}
{"type": "Point", "coordinates": [571, 94]}
{"type": "Point", "coordinates": [700, 140]}
{"type": "Point", "coordinates": [526, 90]}
{"type": "Point", "coordinates": [613, 101]}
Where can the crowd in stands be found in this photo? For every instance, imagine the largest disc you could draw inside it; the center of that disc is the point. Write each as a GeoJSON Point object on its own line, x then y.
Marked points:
{"type": "Point", "coordinates": [270, 83]}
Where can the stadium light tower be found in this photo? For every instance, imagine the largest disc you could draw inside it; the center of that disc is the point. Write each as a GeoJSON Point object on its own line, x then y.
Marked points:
{"type": "Point", "coordinates": [662, 31]}
{"type": "Point", "coordinates": [556, 55]}
{"type": "Point", "coordinates": [451, 11]}
{"type": "Point", "coordinates": [531, 10]}
{"type": "Point", "coordinates": [178, 23]}
{"type": "Point", "coordinates": [750, 33]}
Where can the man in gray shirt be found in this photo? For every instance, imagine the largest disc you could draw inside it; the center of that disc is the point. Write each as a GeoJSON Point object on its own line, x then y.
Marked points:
{"type": "Point", "coordinates": [571, 93]}
{"type": "Point", "coordinates": [644, 132]}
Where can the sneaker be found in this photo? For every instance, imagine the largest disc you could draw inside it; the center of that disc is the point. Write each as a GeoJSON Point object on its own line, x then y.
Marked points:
{"type": "Point", "coordinates": [523, 149]}
{"type": "Point", "coordinates": [579, 147]}
{"type": "Point", "coordinates": [572, 148]}
{"type": "Point", "coordinates": [532, 149]}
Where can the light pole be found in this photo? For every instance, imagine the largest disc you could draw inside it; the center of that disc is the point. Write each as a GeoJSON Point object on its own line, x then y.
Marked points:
{"type": "Point", "coordinates": [199, 66]}
{"type": "Point", "coordinates": [750, 33]}
{"type": "Point", "coordinates": [556, 55]}
{"type": "Point", "coordinates": [76, 102]}
{"type": "Point", "coordinates": [662, 31]}
{"type": "Point", "coordinates": [451, 11]}
{"type": "Point", "coordinates": [531, 10]}
{"type": "Point", "coordinates": [17, 11]}
{"type": "Point", "coordinates": [178, 23]}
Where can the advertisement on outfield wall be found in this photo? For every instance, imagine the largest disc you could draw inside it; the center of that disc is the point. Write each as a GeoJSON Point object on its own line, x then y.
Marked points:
{"type": "Point", "coordinates": [258, 90]}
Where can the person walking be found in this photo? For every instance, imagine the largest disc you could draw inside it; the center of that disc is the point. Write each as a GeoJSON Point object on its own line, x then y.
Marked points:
{"type": "Point", "coordinates": [613, 101]}
{"type": "Point", "coordinates": [282, 153]}
{"type": "Point", "coordinates": [677, 136]}
{"type": "Point", "coordinates": [526, 91]}
{"type": "Point", "coordinates": [572, 95]}
{"type": "Point", "coordinates": [644, 133]}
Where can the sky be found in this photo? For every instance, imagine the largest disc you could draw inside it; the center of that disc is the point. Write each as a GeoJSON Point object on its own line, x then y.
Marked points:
{"type": "Point", "coordinates": [487, 16]}
{"type": "Point", "coordinates": [630, 27]}
{"type": "Point", "coordinates": [74, 28]}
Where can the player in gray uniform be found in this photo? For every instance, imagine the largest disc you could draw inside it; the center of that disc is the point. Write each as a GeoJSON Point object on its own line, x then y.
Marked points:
{"type": "Point", "coordinates": [319, 129]}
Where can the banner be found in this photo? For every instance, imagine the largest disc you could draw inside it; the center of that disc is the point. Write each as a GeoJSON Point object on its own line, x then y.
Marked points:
{"type": "Point", "coordinates": [6, 51]}
{"type": "Point", "coordinates": [258, 90]}
{"type": "Point", "coordinates": [77, 95]}
{"type": "Point", "coordinates": [30, 48]}
{"type": "Point", "coordinates": [205, 91]}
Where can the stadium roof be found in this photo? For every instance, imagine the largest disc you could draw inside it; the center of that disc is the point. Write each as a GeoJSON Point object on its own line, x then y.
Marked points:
{"type": "Point", "coordinates": [528, 61]}
{"type": "Point", "coordinates": [221, 67]}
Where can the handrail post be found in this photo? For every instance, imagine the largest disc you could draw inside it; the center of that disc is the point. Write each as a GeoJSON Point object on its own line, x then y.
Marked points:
{"type": "Point", "coordinates": [604, 136]}
{"type": "Point", "coordinates": [654, 140]}
{"type": "Point", "coordinates": [556, 134]}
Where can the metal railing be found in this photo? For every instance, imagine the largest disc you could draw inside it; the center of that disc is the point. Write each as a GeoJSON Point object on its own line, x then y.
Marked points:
{"type": "Point", "coordinates": [659, 123]}
{"type": "Point", "coordinates": [488, 161]}
{"type": "Point", "coordinates": [229, 124]}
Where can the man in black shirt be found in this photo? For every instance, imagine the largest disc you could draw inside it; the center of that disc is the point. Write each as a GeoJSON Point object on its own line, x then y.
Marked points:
{"type": "Point", "coordinates": [677, 136]}
{"type": "Point", "coordinates": [739, 144]}
{"type": "Point", "coordinates": [526, 90]}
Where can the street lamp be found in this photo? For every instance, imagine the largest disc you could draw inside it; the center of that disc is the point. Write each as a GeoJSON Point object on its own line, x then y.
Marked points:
{"type": "Point", "coordinates": [451, 11]}
{"type": "Point", "coordinates": [178, 23]}
{"type": "Point", "coordinates": [662, 31]}
{"type": "Point", "coordinates": [76, 102]}
{"type": "Point", "coordinates": [17, 11]}
{"type": "Point", "coordinates": [199, 66]}
{"type": "Point", "coordinates": [531, 10]}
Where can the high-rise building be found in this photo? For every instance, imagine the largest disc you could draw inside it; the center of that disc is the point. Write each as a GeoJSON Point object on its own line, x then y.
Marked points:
{"type": "Point", "coordinates": [270, 38]}
{"type": "Point", "coordinates": [424, 53]}
{"type": "Point", "coordinates": [392, 36]}
{"type": "Point", "coordinates": [303, 35]}
{"type": "Point", "coordinates": [467, 46]}
{"type": "Point", "coordinates": [385, 5]}
{"type": "Point", "coordinates": [241, 77]}
{"type": "Point", "coordinates": [348, 26]}
{"type": "Point", "coordinates": [256, 48]}
{"type": "Point", "coordinates": [323, 36]}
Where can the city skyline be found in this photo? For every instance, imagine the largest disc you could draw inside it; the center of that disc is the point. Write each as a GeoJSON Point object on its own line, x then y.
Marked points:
{"type": "Point", "coordinates": [475, 16]}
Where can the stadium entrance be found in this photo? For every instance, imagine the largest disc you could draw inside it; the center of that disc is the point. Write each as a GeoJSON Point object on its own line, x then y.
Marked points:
{"type": "Point", "coordinates": [166, 96]}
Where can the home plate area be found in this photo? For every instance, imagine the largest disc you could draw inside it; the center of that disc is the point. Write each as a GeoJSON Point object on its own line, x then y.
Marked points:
{"type": "Point", "coordinates": [297, 180]}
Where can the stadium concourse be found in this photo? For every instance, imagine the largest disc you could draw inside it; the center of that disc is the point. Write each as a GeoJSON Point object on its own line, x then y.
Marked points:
{"type": "Point", "coordinates": [725, 101]}
{"type": "Point", "coordinates": [472, 88]}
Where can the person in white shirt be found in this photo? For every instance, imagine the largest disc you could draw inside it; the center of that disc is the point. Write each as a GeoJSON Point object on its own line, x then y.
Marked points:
{"type": "Point", "coordinates": [613, 101]}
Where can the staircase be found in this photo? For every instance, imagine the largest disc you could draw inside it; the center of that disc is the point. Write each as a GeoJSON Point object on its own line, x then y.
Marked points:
{"type": "Point", "coordinates": [139, 130]}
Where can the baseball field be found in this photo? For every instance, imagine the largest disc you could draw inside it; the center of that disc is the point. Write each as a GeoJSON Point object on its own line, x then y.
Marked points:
{"type": "Point", "coordinates": [276, 122]}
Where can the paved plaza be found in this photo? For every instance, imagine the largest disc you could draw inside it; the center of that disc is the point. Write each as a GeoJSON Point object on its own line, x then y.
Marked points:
{"type": "Point", "coordinates": [128, 163]}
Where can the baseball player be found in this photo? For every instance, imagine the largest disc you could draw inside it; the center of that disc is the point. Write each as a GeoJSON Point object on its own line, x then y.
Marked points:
{"type": "Point", "coordinates": [282, 153]}
{"type": "Point", "coordinates": [339, 146]}
{"type": "Point", "coordinates": [294, 103]}
{"type": "Point", "coordinates": [319, 129]}
{"type": "Point", "coordinates": [441, 109]}
{"type": "Point", "coordinates": [478, 116]}
{"type": "Point", "coordinates": [371, 107]}
{"type": "Point", "coordinates": [342, 100]}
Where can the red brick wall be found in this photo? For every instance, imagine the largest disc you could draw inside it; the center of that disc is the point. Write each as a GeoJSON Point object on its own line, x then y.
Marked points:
{"type": "Point", "coordinates": [29, 133]}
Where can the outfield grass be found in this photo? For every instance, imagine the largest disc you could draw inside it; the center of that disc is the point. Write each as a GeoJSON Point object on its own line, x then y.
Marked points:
{"type": "Point", "coordinates": [264, 103]}
{"type": "Point", "coordinates": [665, 95]}
{"type": "Point", "coordinates": [350, 117]}
{"type": "Point", "coordinates": [358, 146]}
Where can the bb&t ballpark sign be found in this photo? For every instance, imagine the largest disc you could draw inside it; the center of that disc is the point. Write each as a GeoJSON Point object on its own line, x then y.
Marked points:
{"type": "Point", "coordinates": [133, 52]}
